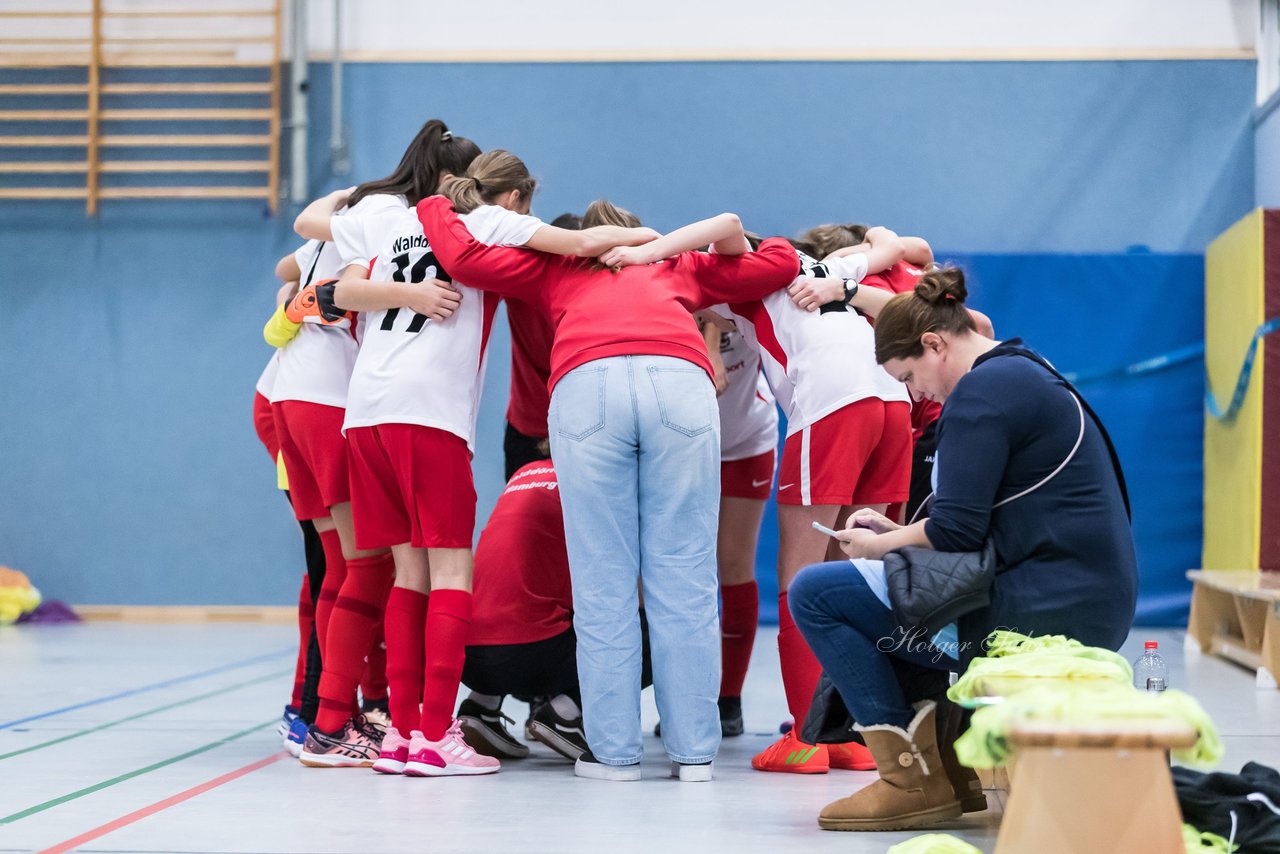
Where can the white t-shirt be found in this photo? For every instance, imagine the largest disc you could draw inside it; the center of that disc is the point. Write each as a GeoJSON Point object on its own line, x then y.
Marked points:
{"type": "Point", "coordinates": [413, 370]}
{"type": "Point", "coordinates": [748, 411]}
{"type": "Point", "coordinates": [316, 364]}
{"type": "Point", "coordinates": [816, 361]}
{"type": "Point", "coordinates": [267, 380]}
{"type": "Point", "coordinates": [357, 232]}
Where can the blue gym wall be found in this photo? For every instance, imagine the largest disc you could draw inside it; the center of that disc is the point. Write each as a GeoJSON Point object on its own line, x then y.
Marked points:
{"type": "Point", "coordinates": [1267, 154]}
{"type": "Point", "coordinates": [1080, 195]}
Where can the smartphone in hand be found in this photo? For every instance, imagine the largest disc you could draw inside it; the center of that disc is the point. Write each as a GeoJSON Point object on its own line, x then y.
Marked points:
{"type": "Point", "coordinates": [818, 526]}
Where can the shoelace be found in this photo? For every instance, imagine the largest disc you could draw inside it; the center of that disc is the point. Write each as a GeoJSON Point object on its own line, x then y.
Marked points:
{"type": "Point", "coordinates": [369, 730]}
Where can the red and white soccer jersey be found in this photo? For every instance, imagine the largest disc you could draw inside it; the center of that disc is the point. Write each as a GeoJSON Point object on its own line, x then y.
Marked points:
{"type": "Point", "coordinates": [816, 361]}
{"type": "Point", "coordinates": [414, 370]}
{"type": "Point", "coordinates": [316, 365]}
{"type": "Point", "coordinates": [522, 592]}
{"type": "Point", "coordinates": [748, 423]}
{"type": "Point", "coordinates": [748, 411]}
{"type": "Point", "coordinates": [263, 420]}
{"type": "Point", "coordinates": [901, 278]}
{"type": "Point", "coordinates": [267, 379]}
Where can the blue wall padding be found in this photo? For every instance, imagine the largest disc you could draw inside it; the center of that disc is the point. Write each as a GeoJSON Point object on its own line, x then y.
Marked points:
{"type": "Point", "coordinates": [992, 157]}
{"type": "Point", "coordinates": [129, 471]}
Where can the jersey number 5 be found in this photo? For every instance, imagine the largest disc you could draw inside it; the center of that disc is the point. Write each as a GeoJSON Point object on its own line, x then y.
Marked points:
{"type": "Point", "coordinates": [422, 268]}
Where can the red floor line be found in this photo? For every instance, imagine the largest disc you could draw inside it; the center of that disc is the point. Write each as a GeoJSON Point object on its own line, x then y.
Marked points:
{"type": "Point", "coordinates": [158, 806]}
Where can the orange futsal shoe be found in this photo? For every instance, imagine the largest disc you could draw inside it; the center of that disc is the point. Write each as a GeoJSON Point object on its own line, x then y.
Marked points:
{"type": "Point", "coordinates": [790, 755]}
{"type": "Point", "coordinates": [850, 756]}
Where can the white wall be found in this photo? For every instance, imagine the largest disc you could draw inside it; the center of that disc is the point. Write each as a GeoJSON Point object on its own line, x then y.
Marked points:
{"type": "Point", "coordinates": [495, 30]}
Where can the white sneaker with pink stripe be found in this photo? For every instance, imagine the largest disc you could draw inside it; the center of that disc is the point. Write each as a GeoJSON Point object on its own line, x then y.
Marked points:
{"type": "Point", "coordinates": [451, 756]}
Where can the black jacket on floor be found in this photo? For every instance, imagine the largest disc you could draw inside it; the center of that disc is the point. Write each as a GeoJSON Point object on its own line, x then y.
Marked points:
{"type": "Point", "coordinates": [1208, 800]}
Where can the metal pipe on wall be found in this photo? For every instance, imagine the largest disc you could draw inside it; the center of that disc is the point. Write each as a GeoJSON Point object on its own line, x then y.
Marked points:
{"type": "Point", "coordinates": [340, 154]}
{"type": "Point", "coordinates": [298, 121]}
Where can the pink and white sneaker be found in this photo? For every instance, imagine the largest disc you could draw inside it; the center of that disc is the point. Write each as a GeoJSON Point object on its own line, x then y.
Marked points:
{"type": "Point", "coordinates": [394, 753]}
{"type": "Point", "coordinates": [451, 756]}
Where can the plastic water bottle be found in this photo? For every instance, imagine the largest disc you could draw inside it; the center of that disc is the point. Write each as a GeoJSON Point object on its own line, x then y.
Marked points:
{"type": "Point", "coordinates": [1150, 673]}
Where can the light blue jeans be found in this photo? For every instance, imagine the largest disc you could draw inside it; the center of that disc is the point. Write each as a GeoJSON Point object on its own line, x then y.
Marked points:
{"type": "Point", "coordinates": [636, 445]}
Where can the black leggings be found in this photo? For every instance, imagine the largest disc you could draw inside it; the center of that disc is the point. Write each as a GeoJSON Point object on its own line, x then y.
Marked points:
{"type": "Point", "coordinates": [543, 668]}
{"type": "Point", "coordinates": [315, 577]}
{"type": "Point", "coordinates": [519, 450]}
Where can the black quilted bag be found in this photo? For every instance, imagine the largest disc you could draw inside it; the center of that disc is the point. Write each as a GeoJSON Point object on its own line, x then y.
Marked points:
{"type": "Point", "coordinates": [929, 589]}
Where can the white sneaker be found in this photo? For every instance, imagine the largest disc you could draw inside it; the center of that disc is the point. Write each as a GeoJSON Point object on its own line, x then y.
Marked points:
{"type": "Point", "coordinates": [693, 773]}
{"type": "Point", "coordinates": [587, 766]}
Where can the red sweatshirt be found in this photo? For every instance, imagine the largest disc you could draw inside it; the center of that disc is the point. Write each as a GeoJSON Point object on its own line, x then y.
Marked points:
{"type": "Point", "coordinates": [642, 310]}
{"type": "Point", "coordinates": [531, 337]}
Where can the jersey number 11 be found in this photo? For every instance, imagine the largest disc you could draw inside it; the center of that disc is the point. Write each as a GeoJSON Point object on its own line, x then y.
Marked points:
{"type": "Point", "coordinates": [424, 267]}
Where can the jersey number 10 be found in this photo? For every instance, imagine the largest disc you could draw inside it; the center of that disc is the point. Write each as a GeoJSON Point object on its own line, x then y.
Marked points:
{"type": "Point", "coordinates": [424, 267]}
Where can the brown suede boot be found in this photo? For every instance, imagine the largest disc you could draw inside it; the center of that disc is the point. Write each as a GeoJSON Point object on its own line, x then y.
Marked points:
{"type": "Point", "coordinates": [913, 788]}
{"type": "Point", "coordinates": [964, 781]}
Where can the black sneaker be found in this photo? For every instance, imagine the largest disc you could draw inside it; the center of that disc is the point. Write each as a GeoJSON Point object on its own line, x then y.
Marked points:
{"type": "Point", "coordinates": [563, 735]}
{"type": "Point", "coordinates": [730, 716]}
{"type": "Point", "coordinates": [486, 732]}
{"type": "Point", "coordinates": [535, 703]}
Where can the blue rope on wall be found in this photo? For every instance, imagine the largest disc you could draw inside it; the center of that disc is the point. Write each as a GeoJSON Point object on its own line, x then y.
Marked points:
{"type": "Point", "coordinates": [1181, 356]}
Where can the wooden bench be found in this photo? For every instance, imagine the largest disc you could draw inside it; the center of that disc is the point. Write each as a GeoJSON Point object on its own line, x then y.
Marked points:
{"type": "Point", "coordinates": [1085, 788]}
{"type": "Point", "coordinates": [1236, 615]}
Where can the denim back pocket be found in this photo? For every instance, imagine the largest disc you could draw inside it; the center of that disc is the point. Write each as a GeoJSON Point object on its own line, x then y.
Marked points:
{"type": "Point", "coordinates": [682, 399]}
{"type": "Point", "coordinates": [579, 402]}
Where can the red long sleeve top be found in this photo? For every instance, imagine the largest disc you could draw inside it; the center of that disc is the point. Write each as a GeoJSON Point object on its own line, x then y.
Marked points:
{"type": "Point", "coordinates": [597, 313]}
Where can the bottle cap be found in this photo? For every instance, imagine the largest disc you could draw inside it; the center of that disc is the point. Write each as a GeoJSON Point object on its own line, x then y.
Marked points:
{"type": "Point", "coordinates": [1151, 645]}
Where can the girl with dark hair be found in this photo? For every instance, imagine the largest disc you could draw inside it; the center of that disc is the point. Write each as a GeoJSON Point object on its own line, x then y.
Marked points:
{"type": "Point", "coordinates": [310, 399]}
{"type": "Point", "coordinates": [1023, 464]}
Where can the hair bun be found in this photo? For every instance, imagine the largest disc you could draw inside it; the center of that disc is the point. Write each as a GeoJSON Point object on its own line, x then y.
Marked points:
{"type": "Point", "coordinates": [938, 286]}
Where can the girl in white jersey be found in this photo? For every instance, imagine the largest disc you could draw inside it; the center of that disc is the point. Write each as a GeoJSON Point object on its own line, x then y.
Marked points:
{"type": "Point", "coordinates": [748, 443]}
{"type": "Point", "coordinates": [840, 451]}
{"type": "Point", "coordinates": [355, 597]}
{"type": "Point", "coordinates": [410, 427]}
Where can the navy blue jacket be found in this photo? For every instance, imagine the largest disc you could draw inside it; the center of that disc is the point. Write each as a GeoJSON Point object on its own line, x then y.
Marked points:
{"type": "Point", "coordinates": [1065, 552]}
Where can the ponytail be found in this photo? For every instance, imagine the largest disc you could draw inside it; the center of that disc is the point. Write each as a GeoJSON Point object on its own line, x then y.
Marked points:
{"type": "Point", "coordinates": [490, 175]}
{"type": "Point", "coordinates": [433, 153]}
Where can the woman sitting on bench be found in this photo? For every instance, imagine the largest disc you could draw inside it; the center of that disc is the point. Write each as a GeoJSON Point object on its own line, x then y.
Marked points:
{"type": "Point", "coordinates": [1023, 463]}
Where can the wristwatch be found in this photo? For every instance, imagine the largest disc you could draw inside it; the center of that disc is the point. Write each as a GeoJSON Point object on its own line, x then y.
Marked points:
{"type": "Point", "coordinates": [850, 290]}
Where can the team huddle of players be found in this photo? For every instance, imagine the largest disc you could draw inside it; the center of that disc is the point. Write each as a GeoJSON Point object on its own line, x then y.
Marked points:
{"type": "Point", "coordinates": [369, 405]}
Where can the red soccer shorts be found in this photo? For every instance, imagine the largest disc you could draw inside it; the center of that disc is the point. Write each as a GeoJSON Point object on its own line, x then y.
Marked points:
{"type": "Point", "coordinates": [860, 454]}
{"type": "Point", "coordinates": [411, 484]}
{"type": "Point", "coordinates": [315, 456]}
{"type": "Point", "coordinates": [750, 478]}
{"type": "Point", "coordinates": [264, 424]}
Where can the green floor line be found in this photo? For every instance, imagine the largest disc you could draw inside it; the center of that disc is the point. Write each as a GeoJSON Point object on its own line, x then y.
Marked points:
{"type": "Point", "coordinates": [156, 710]}
{"type": "Point", "coordinates": [97, 787]}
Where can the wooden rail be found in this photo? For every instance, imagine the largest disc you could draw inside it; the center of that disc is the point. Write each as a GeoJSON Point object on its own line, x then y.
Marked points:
{"type": "Point", "coordinates": [112, 110]}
